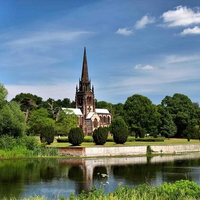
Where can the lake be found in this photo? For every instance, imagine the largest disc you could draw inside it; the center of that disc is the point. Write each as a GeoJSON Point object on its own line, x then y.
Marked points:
{"type": "Point", "coordinates": [60, 177]}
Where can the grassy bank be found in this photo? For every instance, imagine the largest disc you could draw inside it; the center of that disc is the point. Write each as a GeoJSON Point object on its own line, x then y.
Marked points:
{"type": "Point", "coordinates": [180, 190]}
{"type": "Point", "coordinates": [130, 142]}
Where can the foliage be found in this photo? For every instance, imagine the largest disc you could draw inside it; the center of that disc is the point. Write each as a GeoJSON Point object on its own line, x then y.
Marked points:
{"type": "Point", "coordinates": [76, 136]}
{"type": "Point", "coordinates": [149, 150]}
{"type": "Point", "coordinates": [38, 120]}
{"type": "Point", "coordinates": [100, 135]}
{"type": "Point", "coordinates": [180, 190]}
{"type": "Point", "coordinates": [12, 120]}
{"type": "Point", "coordinates": [66, 121]}
{"type": "Point", "coordinates": [42, 151]}
{"type": "Point", "coordinates": [103, 104]}
{"type": "Point", "coordinates": [151, 139]}
{"type": "Point", "coordinates": [47, 134]}
{"type": "Point", "coordinates": [182, 110]}
{"type": "Point", "coordinates": [119, 130]}
{"type": "Point", "coordinates": [3, 95]}
{"type": "Point", "coordinates": [167, 127]}
{"type": "Point", "coordinates": [117, 110]}
{"type": "Point", "coordinates": [7, 142]}
{"type": "Point", "coordinates": [141, 115]}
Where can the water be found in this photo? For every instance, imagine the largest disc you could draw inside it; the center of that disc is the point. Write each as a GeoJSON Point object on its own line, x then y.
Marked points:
{"type": "Point", "coordinates": [60, 177]}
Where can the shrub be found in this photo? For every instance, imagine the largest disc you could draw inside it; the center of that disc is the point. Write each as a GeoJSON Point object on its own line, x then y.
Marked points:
{"type": "Point", "coordinates": [76, 136]}
{"type": "Point", "coordinates": [47, 134]}
{"type": "Point", "coordinates": [159, 139]}
{"type": "Point", "coordinates": [100, 135]}
{"type": "Point", "coordinates": [120, 135]}
{"type": "Point", "coordinates": [119, 130]}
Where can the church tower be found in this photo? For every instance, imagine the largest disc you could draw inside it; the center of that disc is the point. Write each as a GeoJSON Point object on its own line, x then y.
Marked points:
{"type": "Point", "coordinates": [84, 92]}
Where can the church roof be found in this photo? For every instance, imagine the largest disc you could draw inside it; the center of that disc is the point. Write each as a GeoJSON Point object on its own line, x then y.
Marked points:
{"type": "Point", "coordinates": [89, 116]}
{"type": "Point", "coordinates": [101, 111]}
{"type": "Point", "coordinates": [76, 111]}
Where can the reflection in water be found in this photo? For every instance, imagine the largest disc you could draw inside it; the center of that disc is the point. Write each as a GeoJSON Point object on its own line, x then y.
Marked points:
{"type": "Point", "coordinates": [53, 177]}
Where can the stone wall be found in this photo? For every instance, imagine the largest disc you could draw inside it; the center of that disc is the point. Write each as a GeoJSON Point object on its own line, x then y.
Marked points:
{"type": "Point", "coordinates": [127, 150]}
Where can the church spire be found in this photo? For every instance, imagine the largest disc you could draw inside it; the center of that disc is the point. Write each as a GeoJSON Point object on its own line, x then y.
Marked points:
{"type": "Point", "coordinates": [84, 76]}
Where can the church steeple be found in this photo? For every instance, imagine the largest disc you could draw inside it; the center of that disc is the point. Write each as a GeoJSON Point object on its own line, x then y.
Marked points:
{"type": "Point", "coordinates": [84, 76]}
{"type": "Point", "coordinates": [84, 83]}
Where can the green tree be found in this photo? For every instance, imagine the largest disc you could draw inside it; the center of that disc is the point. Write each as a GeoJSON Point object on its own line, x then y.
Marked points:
{"type": "Point", "coordinates": [38, 119]}
{"type": "Point", "coordinates": [3, 95]}
{"type": "Point", "coordinates": [12, 120]}
{"type": "Point", "coordinates": [100, 135]}
{"type": "Point", "coordinates": [141, 115]}
{"type": "Point", "coordinates": [66, 120]}
{"type": "Point", "coordinates": [119, 129]}
{"type": "Point", "coordinates": [103, 104]}
{"type": "Point", "coordinates": [182, 110]}
{"type": "Point", "coordinates": [27, 102]}
{"type": "Point", "coordinates": [76, 136]}
{"type": "Point", "coordinates": [167, 128]}
{"type": "Point", "coordinates": [118, 110]}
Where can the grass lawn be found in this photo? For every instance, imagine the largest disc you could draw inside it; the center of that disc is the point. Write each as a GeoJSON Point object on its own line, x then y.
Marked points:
{"type": "Point", "coordinates": [171, 141]}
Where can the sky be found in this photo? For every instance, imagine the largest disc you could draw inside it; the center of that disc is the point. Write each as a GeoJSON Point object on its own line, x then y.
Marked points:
{"type": "Point", "coordinates": [151, 48]}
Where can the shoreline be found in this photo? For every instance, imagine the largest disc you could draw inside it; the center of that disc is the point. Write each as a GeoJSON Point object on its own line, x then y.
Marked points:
{"type": "Point", "coordinates": [128, 150]}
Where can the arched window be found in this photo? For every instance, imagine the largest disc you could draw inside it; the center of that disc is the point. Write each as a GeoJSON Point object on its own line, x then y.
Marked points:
{"type": "Point", "coordinates": [109, 119]}
{"type": "Point", "coordinates": [95, 123]}
{"type": "Point", "coordinates": [104, 119]}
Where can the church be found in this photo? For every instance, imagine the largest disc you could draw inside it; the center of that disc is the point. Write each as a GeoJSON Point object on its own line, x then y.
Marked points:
{"type": "Point", "coordinates": [89, 117]}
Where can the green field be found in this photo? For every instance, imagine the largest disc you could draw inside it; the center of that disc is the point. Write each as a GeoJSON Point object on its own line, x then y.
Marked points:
{"type": "Point", "coordinates": [171, 141]}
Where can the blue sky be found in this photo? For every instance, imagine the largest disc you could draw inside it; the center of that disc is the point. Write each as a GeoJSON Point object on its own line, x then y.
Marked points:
{"type": "Point", "coordinates": [142, 47]}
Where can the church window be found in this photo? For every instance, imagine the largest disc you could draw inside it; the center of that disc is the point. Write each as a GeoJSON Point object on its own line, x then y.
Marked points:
{"type": "Point", "coordinates": [108, 119]}
{"type": "Point", "coordinates": [95, 123]}
{"type": "Point", "coordinates": [104, 119]}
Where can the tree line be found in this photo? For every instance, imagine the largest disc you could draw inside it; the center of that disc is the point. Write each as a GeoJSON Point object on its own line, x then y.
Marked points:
{"type": "Point", "coordinates": [28, 114]}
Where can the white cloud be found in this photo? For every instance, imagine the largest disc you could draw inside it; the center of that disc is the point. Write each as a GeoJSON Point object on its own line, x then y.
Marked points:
{"type": "Point", "coordinates": [124, 31]}
{"type": "Point", "coordinates": [144, 21]}
{"type": "Point", "coordinates": [180, 58]}
{"type": "Point", "coordinates": [146, 67]}
{"type": "Point", "coordinates": [191, 31]}
{"type": "Point", "coordinates": [181, 16]}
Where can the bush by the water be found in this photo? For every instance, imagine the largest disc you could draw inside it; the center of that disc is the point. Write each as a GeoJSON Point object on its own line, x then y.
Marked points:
{"type": "Point", "coordinates": [76, 136]}
{"type": "Point", "coordinates": [119, 129]}
{"type": "Point", "coordinates": [100, 135]}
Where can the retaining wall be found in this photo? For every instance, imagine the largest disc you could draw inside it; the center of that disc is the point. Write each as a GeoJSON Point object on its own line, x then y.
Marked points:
{"type": "Point", "coordinates": [127, 150]}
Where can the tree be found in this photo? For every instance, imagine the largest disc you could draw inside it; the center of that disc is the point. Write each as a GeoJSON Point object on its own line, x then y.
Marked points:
{"type": "Point", "coordinates": [167, 128]}
{"type": "Point", "coordinates": [3, 95]}
{"type": "Point", "coordinates": [76, 136]}
{"type": "Point", "coordinates": [119, 129]}
{"type": "Point", "coordinates": [141, 115]}
{"type": "Point", "coordinates": [39, 119]}
{"type": "Point", "coordinates": [103, 104]}
{"type": "Point", "coordinates": [118, 110]}
{"type": "Point", "coordinates": [12, 120]}
{"type": "Point", "coordinates": [182, 111]}
{"type": "Point", "coordinates": [100, 135]}
{"type": "Point", "coordinates": [66, 121]}
{"type": "Point", "coordinates": [27, 102]}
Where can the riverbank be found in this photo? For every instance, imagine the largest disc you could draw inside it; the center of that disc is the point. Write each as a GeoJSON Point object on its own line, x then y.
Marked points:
{"type": "Point", "coordinates": [180, 190]}
{"type": "Point", "coordinates": [104, 151]}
